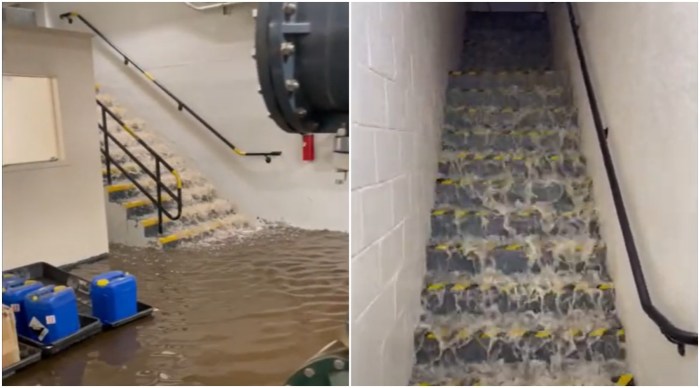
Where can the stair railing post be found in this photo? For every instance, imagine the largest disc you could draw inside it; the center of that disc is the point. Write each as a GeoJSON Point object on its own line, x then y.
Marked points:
{"type": "Point", "coordinates": [106, 141]}
{"type": "Point", "coordinates": [158, 199]}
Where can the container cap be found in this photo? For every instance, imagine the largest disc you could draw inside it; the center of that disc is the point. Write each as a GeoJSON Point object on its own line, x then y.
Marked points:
{"type": "Point", "coordinates": [28, 282]}
{"type": "Point", "coordinates": [59, 288]}
{"type": "Point", "coordinates": [102, 282]}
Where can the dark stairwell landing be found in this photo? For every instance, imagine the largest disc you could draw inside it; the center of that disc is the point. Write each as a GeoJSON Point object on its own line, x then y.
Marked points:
{"type": "Point", "coordinates": [516, 291]}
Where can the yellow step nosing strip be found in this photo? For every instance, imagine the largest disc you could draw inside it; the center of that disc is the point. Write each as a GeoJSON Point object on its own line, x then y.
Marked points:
{"type": "Point", "coordinates": [119, 187]}
{"type": "Point", "coordinates": [129, 167]}
{"type": "Point", "coordinates": [193, 232]}
{"type": "Point", "coordinates": [520, 332]}
{"type": "Point", "coordinates": [151, 221]}
{"type": "Point", "coordinates": [143, 202]}
{"type": "Point", "coordinates": [624, 379]}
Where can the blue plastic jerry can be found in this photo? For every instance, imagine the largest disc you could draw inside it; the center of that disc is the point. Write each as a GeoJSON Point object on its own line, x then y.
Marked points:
{"type": "Point", "coordinates": [11, 280]}
{"type": "Point", "coordinates": [52, 313]}
{"type": "Point", "coordinates": [14, 297]}
{"type": "Point", "coordinates": [113, 296]}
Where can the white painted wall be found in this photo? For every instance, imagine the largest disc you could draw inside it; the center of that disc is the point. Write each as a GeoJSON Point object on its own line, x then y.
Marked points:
{"type": "Point", "coordinates": [643, 61]}
{"type": "Point", "coordinates": [205, 58]}
{"type": "Point", "coordinates": [401, 53]}
{"type": "Point", "coordinates": [55, 211]}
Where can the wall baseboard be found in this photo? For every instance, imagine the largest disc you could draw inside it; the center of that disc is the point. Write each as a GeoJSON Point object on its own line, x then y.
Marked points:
{"type": "Point", "coordinates": [70, 266]}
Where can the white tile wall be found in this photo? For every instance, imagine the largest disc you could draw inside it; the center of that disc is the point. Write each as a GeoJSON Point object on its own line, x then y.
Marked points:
{"type": "Point", "coordinates": [401, 53]}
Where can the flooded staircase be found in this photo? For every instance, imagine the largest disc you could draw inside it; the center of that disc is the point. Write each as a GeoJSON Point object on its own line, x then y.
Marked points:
{"type": "Point", "coordinates": [133, 217]}
{"type": "Point", "coordinates": [516, 290]}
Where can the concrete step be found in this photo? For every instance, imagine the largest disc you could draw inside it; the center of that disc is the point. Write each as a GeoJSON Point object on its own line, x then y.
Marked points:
{"type": "Point", "coordinates": [538, 254]}
{"type": "Point", "coordinates": [123, 188]}
{"type": "Point", "coordinates": [561, 194]}
{"type": "Point", "coordinates": [508, 223]}
{"type": "Point", "coordinates": [513, 96]}
{"type": "Point", "coordinates": [532, 373]}
{"type": "Point", "coordinates": [533, 60]}
{"type": "Point", "coordinates": [512, 337]}
{"type": "Point", "coordinates": [190, 233]}
{"type": "Point", "coordinates": [512, 21]}
{"type": "Point", "coordinates": [514, 140]}
{"type": "Point", "coordinates": [140, 206]}
{"type": "Point", "coordinates": [525, 78]}
{"type": "Point", "coordinates": [142, 154]}
{"type": "Point", "coordinates": [496, 293]}
{"type": "Point", "coordinates": [509, 117]}
{"type": "Point", "coordinates": [509, 165]}
{"type": "Point", "coordinates": [191, 215]}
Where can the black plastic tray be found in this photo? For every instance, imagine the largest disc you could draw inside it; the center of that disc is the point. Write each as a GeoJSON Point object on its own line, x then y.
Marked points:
{"type": "Point", "coordinates": [28, 355]}
{"type": "Point", "coordinates": [48, 274]}
{"type": "Point", "coordinates": [89, 326]}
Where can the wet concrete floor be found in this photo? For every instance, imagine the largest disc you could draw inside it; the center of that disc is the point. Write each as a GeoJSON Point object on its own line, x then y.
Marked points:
{"type": "Point", "coordinates": [245, 313]}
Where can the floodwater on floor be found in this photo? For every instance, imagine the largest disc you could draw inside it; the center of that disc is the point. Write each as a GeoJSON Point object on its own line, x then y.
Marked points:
{"type": "Point", "coordinates": [243, 313]}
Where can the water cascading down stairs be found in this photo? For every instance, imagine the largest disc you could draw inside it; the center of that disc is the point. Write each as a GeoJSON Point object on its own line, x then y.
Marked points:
{"type": "Point", "coordinates": [516, 290]}
{"type": "Point", "coordinates": [132, 217]}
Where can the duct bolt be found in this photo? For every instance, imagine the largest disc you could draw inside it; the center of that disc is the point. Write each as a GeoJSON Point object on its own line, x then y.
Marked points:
{"type": "Point", "coordinates": [287, 48]}
{"type": "Point", "coordinates": [255, 13]}
{"type": "Point", "coordinates": [308, 372]}
{"type": "Point", "coordinates": [289, 8]}
{"type": "Point", "coordinates": [291, 84]}
{"type": "Point", "coordinates": [338, 364]}
{"type": "Point", "coordinates": [342, 131]}
{"type": "Point", "coordinates": [301, 112]}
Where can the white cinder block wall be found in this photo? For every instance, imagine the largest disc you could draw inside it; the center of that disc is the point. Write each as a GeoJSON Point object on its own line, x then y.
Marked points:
{"type": "Point", "coordinates": [401, 53]}
{"type": "Point", "coordinates": [643, 61]}
{"type": "Point", "coordinates": [205, 59]}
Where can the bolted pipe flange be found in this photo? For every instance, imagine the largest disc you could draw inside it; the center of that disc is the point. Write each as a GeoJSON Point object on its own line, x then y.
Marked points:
{"type": "Point", "coordinates": [291, 85]}
{"type": "Point", "coordinates": [302, 62]}
{"type": "Point", "coordinates": [338, 364]}
{"type": "Point", "coordinates": [289, 8]}
{"type": "Point", "coordinates": [287, 48]}
{"type": "Point", "coordinates": [309, 372]}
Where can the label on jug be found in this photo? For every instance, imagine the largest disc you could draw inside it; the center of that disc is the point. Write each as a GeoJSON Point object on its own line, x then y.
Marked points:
{"type": "Point", "coordinates": [15, 307]}
{"type": "Point", "coordinates": [50, 319]}
{"type": "Point", "coordinates": [40, 330]}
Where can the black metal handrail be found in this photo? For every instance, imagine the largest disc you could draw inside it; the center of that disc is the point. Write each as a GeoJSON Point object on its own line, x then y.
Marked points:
{"type": "Point", "coordinates": [677, 336]}
{"type": "Point", "coordinates": [180, 104]}
{"type": "Point", "coordinates": [161, 188]}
